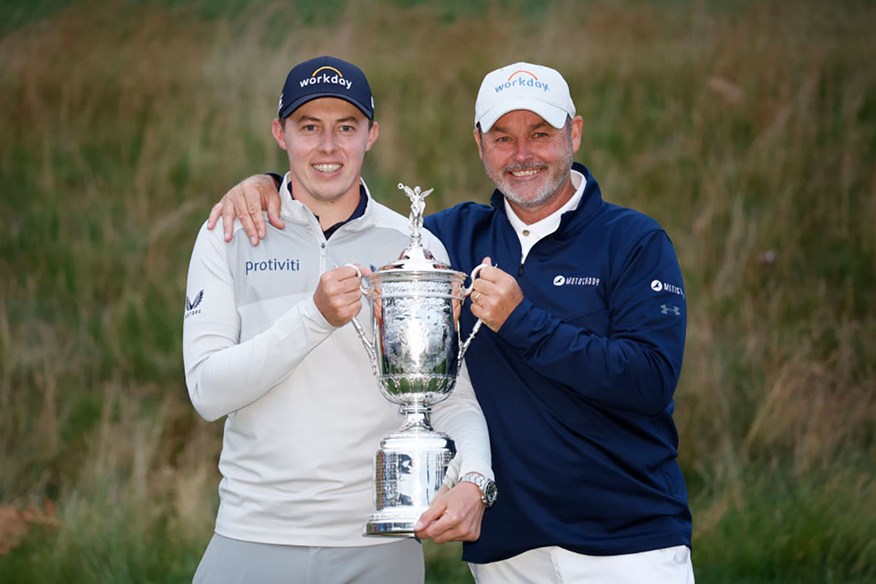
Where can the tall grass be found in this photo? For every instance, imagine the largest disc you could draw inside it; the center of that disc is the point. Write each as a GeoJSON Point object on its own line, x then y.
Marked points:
{"type": "Point", "coordinates": [748, 129]}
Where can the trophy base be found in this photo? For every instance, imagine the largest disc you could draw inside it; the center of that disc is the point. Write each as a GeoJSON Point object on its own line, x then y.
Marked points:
{"type": "Point", "coordinates": [409, 471]}
{"type": "Point", "coordinates": [382, 525]}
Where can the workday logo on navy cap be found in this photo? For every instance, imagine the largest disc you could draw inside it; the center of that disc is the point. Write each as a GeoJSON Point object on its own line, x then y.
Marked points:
{"type": "Point", "coordinates": [325, 77]}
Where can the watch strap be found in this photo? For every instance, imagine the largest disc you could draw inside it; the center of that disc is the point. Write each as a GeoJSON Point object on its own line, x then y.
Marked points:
{"type": "Point", "coordinates": [485, 485]}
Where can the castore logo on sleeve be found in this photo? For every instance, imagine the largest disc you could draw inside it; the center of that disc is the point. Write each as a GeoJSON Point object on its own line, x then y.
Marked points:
{"type": "Point", "coordinates": [192, 305]}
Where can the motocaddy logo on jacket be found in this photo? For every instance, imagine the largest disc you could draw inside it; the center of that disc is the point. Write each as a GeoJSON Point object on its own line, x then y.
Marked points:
{"type": "Point", "coordinates": [522, 78]}
{"type": "Point", "coordinates": [560, 280]}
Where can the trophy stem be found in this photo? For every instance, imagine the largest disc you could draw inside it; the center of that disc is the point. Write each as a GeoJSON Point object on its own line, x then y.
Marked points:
{"type": "Point", "coordinates": [416, 418]}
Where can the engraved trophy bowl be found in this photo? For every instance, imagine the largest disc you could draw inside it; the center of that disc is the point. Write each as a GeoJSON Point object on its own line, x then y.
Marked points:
{"type": "Point", "coordinates": [415, 353]}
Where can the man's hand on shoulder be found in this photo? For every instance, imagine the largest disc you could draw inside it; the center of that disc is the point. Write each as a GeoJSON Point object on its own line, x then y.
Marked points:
{"type": "Point", "coordinates": [246, 201]}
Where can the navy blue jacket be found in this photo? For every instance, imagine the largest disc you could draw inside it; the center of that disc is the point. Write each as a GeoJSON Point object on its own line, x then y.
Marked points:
{"type": "Point", "coordinates": [577, 385]}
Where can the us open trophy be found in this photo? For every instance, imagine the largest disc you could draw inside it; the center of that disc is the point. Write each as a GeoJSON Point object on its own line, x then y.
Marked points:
{"type": "Point", "coordinates": [415, 353]}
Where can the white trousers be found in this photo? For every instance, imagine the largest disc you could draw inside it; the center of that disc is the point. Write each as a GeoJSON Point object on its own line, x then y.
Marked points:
{"type": "Point", "coordinates": [555, 565]}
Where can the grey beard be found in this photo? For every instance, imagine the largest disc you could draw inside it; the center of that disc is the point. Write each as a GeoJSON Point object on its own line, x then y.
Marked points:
{"type": "Point", "coordinates": [548, 190]}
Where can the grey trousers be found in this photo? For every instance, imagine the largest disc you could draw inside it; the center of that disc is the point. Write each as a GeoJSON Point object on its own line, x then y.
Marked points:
{"type": "Point", "coordinates": [231, 561]}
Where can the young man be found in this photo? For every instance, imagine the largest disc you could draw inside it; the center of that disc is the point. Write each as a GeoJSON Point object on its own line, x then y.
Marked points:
{"type": "Point", "coordinates": [576, 375]}
{"type": "Point", "coordinates": [266, 346]}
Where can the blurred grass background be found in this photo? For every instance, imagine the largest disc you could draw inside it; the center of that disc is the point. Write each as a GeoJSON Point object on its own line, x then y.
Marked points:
{"type": "Point", "coordinates": [747, 128]}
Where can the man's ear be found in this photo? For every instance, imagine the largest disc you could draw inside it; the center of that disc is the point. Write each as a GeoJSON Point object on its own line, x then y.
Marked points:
{"type": "Point", "coordinates": [373, 132]}
{"type": "Point", "coordinates": [279, 133]}
{"type": "Point", "coordinates": [477, 137]}
{"type": "Point", "coordinates": [577, 131]}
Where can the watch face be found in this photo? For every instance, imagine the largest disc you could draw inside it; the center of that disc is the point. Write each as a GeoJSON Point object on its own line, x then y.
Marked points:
{"type": "Point", "coordinates": [487, 487]}
{"type": "Point", "coordinates": [490, 493]}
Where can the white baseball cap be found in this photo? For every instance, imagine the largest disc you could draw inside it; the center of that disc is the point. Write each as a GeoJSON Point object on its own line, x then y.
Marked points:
{"type": "Point", "coordinates": [523, 86]}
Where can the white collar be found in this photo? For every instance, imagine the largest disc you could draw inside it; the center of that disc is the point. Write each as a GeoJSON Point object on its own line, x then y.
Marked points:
{"type": "Point", "coordinates": [529, 235]}
{"type": "Point", "coordinates": [295, 210]}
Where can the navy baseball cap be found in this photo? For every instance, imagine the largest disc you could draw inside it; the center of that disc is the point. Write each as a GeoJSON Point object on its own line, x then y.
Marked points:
{"type": "Point", "coordinates": [325, 77]}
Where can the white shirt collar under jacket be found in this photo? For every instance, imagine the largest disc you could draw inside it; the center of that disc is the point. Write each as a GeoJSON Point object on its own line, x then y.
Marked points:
{"type": "Point", "coordinates": [298, 212]}
{"type": "Point", "coordinates": [529, 235]}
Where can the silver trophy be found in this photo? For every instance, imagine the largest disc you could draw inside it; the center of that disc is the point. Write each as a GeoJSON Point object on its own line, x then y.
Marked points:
{"type": "Point", "coordinates": [415, 353]}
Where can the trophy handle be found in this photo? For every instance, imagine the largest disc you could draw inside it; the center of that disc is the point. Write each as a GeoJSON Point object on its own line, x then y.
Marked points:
{"type": "Point", "coordinates": [369, 346]}
{"type": "Point", "coordinates": [465, 293]}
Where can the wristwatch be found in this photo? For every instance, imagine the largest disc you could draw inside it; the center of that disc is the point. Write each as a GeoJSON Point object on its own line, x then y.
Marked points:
{"type": "Point", "coordinates": [487, 487]}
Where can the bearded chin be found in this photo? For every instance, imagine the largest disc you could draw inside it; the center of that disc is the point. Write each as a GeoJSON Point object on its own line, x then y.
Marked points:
{"type": "Point", "coordinates": [549, 188]}
{"type": "Point", "coordinates": [539, 198]}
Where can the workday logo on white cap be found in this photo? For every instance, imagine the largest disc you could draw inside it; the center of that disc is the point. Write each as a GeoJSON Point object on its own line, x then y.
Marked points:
{"type": "Point", "coordinates": [523, 86]}
{"type": "Point", "coordinates": [522, 78]}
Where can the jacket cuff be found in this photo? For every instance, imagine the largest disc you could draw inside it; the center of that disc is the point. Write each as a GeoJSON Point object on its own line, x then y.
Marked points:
{"type": "Point", "coordinates": [514, 330]}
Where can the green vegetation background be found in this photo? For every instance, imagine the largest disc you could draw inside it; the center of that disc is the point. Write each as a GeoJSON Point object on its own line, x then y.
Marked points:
{"type": "Point", "coordinates": [747, 128]}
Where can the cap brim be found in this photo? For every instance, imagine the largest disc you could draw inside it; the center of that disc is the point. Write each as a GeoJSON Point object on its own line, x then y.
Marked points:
{"type": "Point", "coordinates": [289, 108]}
{"type": "Point", "coordinates": [553, 115]}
